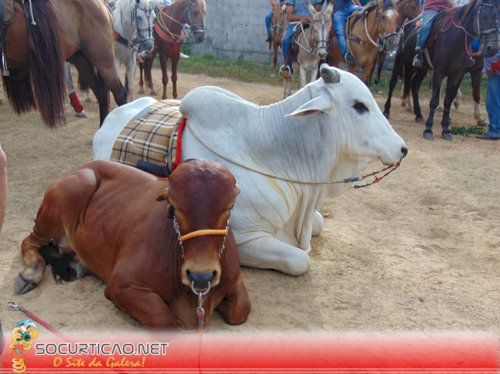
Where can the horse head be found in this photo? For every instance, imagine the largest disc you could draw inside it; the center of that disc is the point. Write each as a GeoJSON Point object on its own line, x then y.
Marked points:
{"type": "Point", "coordinates": [196, 11]}
{"type": "Point", "coordinates": [144, 16]}
{"type": "Point", "coordinates": [488, 23]}
{"type": "Point", "coordinates": [278, 18]}
{"type": "Point", "coordinates": [321, 25]}
{"type": "Point", "coordinates": [387, 22]}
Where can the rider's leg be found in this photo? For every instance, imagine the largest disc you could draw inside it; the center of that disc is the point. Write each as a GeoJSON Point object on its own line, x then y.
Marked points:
{"type": "Point", "coordinates": [422, 36]}
{"type": "Point", "coordinates": [339, 21]}
{"type": "Point", "coordinates": [268, 25]}
{"type": "Point", "coordinates": [286, 45]}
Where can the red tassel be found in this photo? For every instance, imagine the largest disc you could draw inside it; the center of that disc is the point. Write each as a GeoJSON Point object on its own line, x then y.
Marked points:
{"type": "Point", "coordinates": [75, 102]}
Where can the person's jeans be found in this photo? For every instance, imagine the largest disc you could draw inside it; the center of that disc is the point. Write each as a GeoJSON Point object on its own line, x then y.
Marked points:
{"type": "Point", "coordinates": [286, 44]}
{"type": "Point", "coordinates": [339, 21]}
{"type": "Point", "coordinates": [493, 104]}
{"type": "Point", "coordinates": [268, 21]}
{"type": "Point", "coordinates": [425, 27]}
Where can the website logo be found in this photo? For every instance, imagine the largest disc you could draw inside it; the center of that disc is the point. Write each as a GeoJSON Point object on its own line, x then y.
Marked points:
{"type": "Point", "coordinates": [23, 336]}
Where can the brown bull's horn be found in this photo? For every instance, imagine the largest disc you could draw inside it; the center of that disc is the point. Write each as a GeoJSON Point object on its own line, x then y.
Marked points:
{"type": "Point", "coordinates": [329, 75]}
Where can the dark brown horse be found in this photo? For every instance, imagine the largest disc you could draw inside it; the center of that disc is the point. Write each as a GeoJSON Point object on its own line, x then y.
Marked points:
{"type": "Point", "coordinates": [169, 37]}
{"type": "Point", "coordinates": [407, 10]}
{"type": "Point", "coordinates": [448, 50]}
{"type": "Point", "coordinates": [44, 33]}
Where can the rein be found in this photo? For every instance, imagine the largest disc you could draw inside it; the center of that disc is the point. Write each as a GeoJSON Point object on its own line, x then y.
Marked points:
{"type": "Point", "coordinates": [376, 179]}
{"type": "Point", "coordinates": [32, 316]}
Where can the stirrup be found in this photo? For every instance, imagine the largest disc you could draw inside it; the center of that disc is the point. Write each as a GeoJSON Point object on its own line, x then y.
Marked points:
{"type": "Point", "coordinates": [285, 71]}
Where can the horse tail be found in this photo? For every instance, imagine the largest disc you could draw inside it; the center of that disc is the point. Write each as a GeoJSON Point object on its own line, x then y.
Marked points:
{"type": "Point", "coordinates": [46, 63]}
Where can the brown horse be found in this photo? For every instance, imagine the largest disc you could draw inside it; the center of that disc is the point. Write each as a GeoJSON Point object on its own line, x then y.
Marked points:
{"type": "Point", "coordinates": [278, 26]}
{"type": "Point", "coordinates": [44, 33]}
{"type": "Point", "coordinates": [169, 37]}
{"type": "Point", "coordinates": [370, 31]}
{"type": "Point", "coordinates": [407, 10]}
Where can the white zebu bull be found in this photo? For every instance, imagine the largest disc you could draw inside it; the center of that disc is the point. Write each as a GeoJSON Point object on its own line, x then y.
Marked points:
{"type": "Point", "coordinates": [329, 130]}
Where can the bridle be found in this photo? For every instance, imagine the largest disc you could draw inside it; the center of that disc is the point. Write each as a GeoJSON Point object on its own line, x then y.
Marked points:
{"type": "Point", "coordinates": [385, 43]}
{"type": "Point", "coordinates": [150, 16]}
{"type": "Point", "coordinates": [278, 22]}
{"type": "Point", "coordinates": [200, 292]}
{"type": "Point", "coordinates": [193, 28]}
{"type": "Point", "coordinates": [323, 37]}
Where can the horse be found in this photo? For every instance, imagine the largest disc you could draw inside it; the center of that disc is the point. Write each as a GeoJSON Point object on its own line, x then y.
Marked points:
{"type": "Point", "coordinates": [311, 45]}
{"type": "Point", "coordinates": [169, 36]}
{"type": "Point", "coordinates": [278, 26]}
{"type": "Point", "coordinates": [407, 10]}
{"type": "Point", "coordinates": [40, 36]}
{"type": "Point", "coordinates": [133, 20]}
{"type": "Point", "coordinates": [448, 50]}
{"type": "Point", "coordinates": [370, 31]}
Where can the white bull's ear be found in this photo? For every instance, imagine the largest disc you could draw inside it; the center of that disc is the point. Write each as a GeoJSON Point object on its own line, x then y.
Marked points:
{"type": "Point", "coordinates": [321, 103]}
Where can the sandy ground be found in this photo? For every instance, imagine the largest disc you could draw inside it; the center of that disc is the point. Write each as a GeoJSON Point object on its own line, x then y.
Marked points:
{"type": "Point", "coordinates": [417, 252]}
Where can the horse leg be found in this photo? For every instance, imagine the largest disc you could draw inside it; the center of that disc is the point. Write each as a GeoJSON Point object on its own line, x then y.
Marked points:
{"type": "Point", "coordinates": [476, 77]}
{"type": "Point", "coordinates": [131, 78]}
{"type": "Point", "coordinates": [164, 74]}
{"type": "Point", "coordinates": [141, 74]}
{"type": "Point", "coordinates": [303, 78]}
{"type": "Point", "coordinates": [148, 66]}
{"type": "Point", "coordinates": [275, 54]}
{"type": "Point", "coordinates": [458, 99]}
{"type": "Point", "coordinates": [380, 64]}
{"type": "Point", "coordinates": [434, 102]}
{"type": "Point", "coordinates": [392, 84]}
{"type": "Point", "coordinates": [415, 83]}
{"type": "Point", "coordinates": [87, 76]}
{"type": "Point", "coordinates": [451, 92]}
{"type": "Point", "coordinates": [367, 72]}
{"type": "Point", "coordinates": [3, 185]}
{"type": "Point", "coordinates": [175, 61]}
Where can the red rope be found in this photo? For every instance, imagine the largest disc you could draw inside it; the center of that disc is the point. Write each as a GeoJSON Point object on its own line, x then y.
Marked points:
{"type": "Point", "coordinates": [178, 154]}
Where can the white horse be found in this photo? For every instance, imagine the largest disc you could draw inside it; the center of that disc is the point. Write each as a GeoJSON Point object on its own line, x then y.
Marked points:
{"type": "Point", "coordinates": [133, 20]}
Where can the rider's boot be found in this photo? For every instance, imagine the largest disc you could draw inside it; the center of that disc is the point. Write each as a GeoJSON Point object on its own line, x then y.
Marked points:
{"type": "Point", "coordinates": [418, 60]}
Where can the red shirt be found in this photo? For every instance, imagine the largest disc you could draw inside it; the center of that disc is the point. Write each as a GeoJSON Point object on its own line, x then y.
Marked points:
{"type": "Point", "coordinates": [437, 4]}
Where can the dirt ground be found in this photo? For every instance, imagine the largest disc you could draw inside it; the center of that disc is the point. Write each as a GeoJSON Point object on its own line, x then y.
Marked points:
{"type": "Point", "coordinates": [417, 252]}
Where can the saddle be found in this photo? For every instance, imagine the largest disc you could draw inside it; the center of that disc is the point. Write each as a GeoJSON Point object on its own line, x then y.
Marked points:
{"type": "Point", "coordinates": [294, 49]}
{"type": "Point", "coordinates": [149, 140]}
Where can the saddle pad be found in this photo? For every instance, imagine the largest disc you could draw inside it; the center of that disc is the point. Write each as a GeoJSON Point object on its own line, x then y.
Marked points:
{"type": "Point", "coordinates": [150, 136]}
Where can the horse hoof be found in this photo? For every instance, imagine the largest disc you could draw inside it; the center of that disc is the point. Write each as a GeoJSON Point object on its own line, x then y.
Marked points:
{"type": "Point", "coordinates": [419, 119]}
{"type": "Point", "coordinates": [386, 115]}
{"type": "Point", "coordinates": [456, 105]}
{"type": "Point", "coordinates": [482, 122]}
{"type": "Point", "coordinates": [428, 135]}
{"type": "Point", "coordinates": [141, 91]}
{"type": "Point", "coordinates": [22, 286]}
{"type": "Point", "coordinates": [447, 136]}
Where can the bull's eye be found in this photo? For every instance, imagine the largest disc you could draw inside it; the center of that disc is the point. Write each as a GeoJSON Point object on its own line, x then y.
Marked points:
{"type": "Point", "coordinates": [360, 107]}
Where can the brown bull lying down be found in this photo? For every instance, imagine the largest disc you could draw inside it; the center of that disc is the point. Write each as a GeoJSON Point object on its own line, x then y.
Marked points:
{"type": "Point", "coordinates": [154, 241]}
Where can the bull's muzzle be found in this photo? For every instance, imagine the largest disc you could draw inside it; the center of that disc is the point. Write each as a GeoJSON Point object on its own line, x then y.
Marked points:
{"type": "Point", "coordinates": [201, 281]}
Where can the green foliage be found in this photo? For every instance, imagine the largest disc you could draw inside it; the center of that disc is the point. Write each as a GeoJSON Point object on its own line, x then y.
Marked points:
{"type": "Point", "coordinates": [223, 67]}
{"type": "Point", "coordinates": [467, 131]}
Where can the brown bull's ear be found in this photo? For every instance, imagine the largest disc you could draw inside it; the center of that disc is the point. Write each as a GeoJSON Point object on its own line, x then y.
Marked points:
{"type": "Point", "coordinates": [163, 195]}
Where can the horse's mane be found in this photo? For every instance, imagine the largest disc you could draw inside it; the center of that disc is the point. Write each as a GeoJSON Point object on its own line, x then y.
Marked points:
{"type": "Point", "coordinates": [202, 5]}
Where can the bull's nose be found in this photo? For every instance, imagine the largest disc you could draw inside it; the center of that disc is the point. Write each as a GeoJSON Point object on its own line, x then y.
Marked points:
{"type": "Point", "coordinates": [201, 281]}
{"type": "Point", "coordinates": [404, 151]}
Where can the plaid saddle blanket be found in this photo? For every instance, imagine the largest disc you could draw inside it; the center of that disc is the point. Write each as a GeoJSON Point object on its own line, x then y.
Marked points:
{"type": "Point", "coordinates": [149, 140]}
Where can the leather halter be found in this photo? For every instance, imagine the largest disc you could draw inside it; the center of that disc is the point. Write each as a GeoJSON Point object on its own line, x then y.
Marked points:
{"type": "Point", "coordinates": [203, 232]}
{"type": "Point", "coordinates": [198, 233]}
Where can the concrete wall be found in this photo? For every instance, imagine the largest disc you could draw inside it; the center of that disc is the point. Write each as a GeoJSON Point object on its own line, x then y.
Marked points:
{"type": "Point", "coordinates": [236, 29]}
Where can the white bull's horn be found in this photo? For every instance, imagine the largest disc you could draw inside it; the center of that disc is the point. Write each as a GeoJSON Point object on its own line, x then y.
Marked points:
{"type": "Point", "coordinates": [328, 74]}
